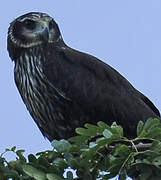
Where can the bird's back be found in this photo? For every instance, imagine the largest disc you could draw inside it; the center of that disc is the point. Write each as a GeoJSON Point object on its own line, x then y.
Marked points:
{"type": "Point", "coordinates": [99, 90]}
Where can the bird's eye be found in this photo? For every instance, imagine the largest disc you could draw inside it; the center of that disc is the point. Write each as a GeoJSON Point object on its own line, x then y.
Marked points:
{"type": "Point", "coordinates": [29, 24]}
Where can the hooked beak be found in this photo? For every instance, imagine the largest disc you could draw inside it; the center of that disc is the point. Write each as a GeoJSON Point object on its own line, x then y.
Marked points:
{"type": "Point", "coordinates": [43, 30]}
{"type": "Point", "coordinates": [45, 34]}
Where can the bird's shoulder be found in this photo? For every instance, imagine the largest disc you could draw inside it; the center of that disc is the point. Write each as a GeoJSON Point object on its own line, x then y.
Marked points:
{"type": "Point", "coordinates": [82, 75]}
{"type": "Point", "coordinates": [68, 63]}
{"type": "Point", "coordinates": [91, 64]}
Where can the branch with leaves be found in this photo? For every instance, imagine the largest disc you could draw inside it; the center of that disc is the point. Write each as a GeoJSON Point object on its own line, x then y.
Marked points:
{"type": "Point", "coordinates": [98, 152]}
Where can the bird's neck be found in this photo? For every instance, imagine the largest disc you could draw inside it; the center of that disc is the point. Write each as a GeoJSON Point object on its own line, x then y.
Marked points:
{"type": "Point", "coordinates": [27, 73]}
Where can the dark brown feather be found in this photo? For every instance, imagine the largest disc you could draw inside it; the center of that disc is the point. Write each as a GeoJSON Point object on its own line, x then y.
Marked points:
{"type": "Point", "coordinates": [63, 88]}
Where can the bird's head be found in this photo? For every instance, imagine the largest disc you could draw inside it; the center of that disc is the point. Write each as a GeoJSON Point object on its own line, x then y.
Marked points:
{"type": "Point", "coordinates": [33, 29]}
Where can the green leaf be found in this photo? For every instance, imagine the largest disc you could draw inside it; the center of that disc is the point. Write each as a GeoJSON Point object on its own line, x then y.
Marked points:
{"type": "Point", "coordinates": [9, 173]}
{"type": "Point", "coordinates": [156, 147]}
{"type": "Point", "coordinates": [79, 140]}
{"type": "Point", "coordinates": [90, 130]}
{"type": "Point", "coordinates": [103, 125]}
{"type": "Point", "coordinates": [150, 127]}
{"type": "Point", "coordinates": [61, 163]}
{"type": "Point", "coordinates": [151, 123]}
{"type": "Point", "coordinates": [94, 130]}
{"type": "Point", "coordinates": [13, 164]}
{"type": "Point", "coordinates": [83, 131]}
{"type": "Point", "coordinates": [154, 133]}
{"type": "Point", "coordinates": [33, 172]}
{"type": "Point", "coordinates": [107, 133]}
{"type": "Point", "coordinates": [73, 163]}
{"type": "Point", "coordinates": [97, 148]}
{"type": "Point", "coordinates": [140, 127]}
{"type": "Point", "coordinates": [117, 130]}
{"type": "Point", "coordinates": [43, 162]}
{"type": "Point", "coordinates": [32, 158]}
{"type": "Point", "coordinates": [20, 155]}
{"type": "Point", "coordinates": [13, 148]}
{"type": "Point", "coordinates": [105, 164]}
{"type": "Point", "coordinates": [61, 146]}
{"type": "Point", "coordinates": [51, 176]}
{"type": "Point", "coordinates": [157, 161]}
{"type": "Point", "coordinates": [122, 150]}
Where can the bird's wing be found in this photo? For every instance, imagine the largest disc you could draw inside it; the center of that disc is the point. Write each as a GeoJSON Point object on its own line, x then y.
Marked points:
{"type": "Point", "coordinates": [92, 83]}
{"type": "Point", "coordinates": [149, 104]}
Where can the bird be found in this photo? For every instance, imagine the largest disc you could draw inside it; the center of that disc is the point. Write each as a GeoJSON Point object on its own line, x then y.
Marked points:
{"type": "Point", "coordinates": [64, 88]}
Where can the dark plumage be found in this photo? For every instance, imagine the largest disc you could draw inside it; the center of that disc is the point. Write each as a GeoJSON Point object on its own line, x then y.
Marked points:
{"type": "Point", "coordinates": [64, 88]}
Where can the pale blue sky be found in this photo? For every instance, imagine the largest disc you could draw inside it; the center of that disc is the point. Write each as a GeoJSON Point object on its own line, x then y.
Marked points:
{"type": "Point", "coordinates": [125, 34]}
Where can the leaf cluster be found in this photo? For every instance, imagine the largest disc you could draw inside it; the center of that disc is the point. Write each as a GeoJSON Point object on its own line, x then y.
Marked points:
{"type": "Point", "coordinates": [97, 152]}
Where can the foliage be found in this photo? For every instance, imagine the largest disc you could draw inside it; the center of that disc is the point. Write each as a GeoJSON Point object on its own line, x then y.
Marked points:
{"type": "Point", "coordinates": [98, 152]}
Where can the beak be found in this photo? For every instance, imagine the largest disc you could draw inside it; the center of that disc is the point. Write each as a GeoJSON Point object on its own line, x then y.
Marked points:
{"type": "Point", "coordinates": [43, 30]}
{"type": "Point", "coordinates": [45, 34]}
